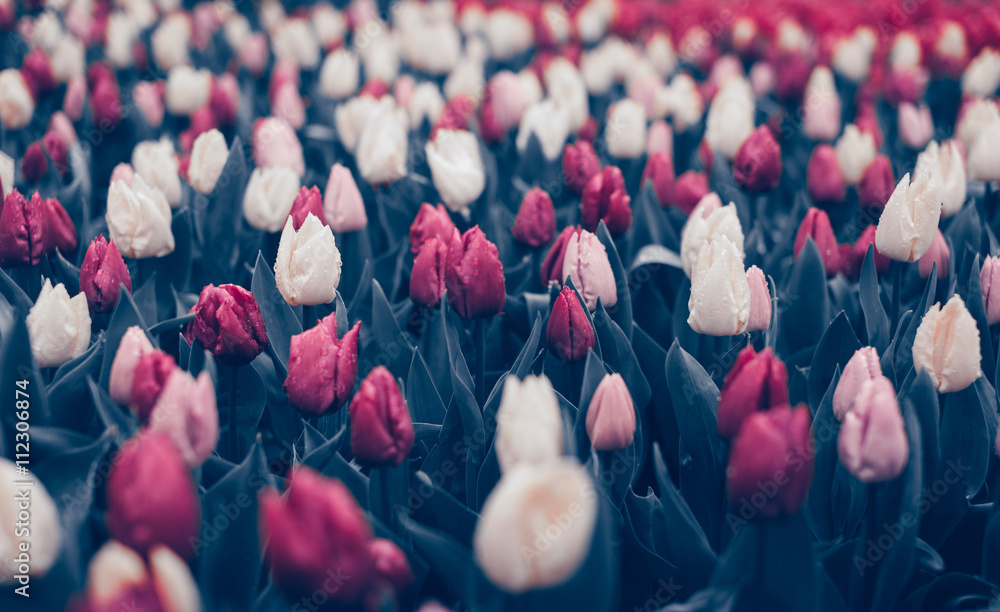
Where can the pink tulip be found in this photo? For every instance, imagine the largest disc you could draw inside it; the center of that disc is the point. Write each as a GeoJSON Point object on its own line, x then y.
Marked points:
{"type": "Point", "coordinates": [611, 414]}
{"type": "Point", "coordinates": [186, 411]}
{"type": "Point", "coordinates": [872, 443]}
{"type": "Point", "coordinates": [381, 429]}
{"type": "Point", "coordinates": [863, 366]}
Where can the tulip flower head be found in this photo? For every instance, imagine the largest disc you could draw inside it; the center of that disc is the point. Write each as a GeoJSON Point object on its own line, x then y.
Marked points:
{"type": "Point", "coordinates": [456, 168]}
{"type": "Point", "coordinates": [430, 222]}
{"type": "Point", "coordinates": [605, 199]}
{"type": "Point", "coordinates": [322, 369]}
{"type": "Point", "coordinates": [270, 194]}
{"type": "Point", "coordinates": [863, 366]}
{"type": "Point", "coordinates": [757, 165]}
{"type": "Point", "coordinates": [816, 225]}
{"type": "Point", "coordinates": [42, 539]}
{"type": "Point", "coordinates": [474, 275]}
{"type": "Point", "coordinates": [611, 415]}
{"type": "Point", "coordinates": [947, 345]}
{"type": "Point", "coordinates": [756, 382]}
{"type": "Point", "coordinates": [760, 300]}
{"type": "Point", "coordinates": [228, 323]}
{"type": "Point", "coordinates": [381, 429]}
{"type": "Point", "coordinates": [709, 221]}
{"type": "Point", "coordinates": [586, 262]}
{"type": "Point", "coordinates": [535, 224]}
{"type": "Point", "coordinates": [185, 410]}
{"type": "Point", "coordinates": [579, 165]}
{"type": "Point", "coordinates": [343, 206]}
{"type": "Point", "coordinates": [720, 293]}
{"type": "Point", "coordinates": [907, 227]}
{"type": "Point", "coordinates": [529, 424]}
{"type": "Point", "coordinates": [139, 219]}
{"type": "Point", "coordinates": [23, 230]}
{"type": "Point", "coordinates": [872, 443]}
{"type": "Point", "coordinates": [58, 326]}
{"type": "Point", "coordinates": [825, 179]}
{"type": "Point", "coordinates": [133, 345]}
{"type": "Point", "coordinates": [989, 279]}
{"type": "Point", "coordinates": [102, 274]}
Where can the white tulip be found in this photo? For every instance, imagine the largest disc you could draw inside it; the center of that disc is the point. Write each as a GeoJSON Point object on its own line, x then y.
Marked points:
{"type": "Point", "coordinates": [47, 30]}
{"type": "Point", "coordinates": [708, 221]}
{"type": "Point", "coordinates": [625, 131]}
{"type": "Point", "coordinates": [466, 79]}
{"type": "Point", "coordinates": [382, 147]}
{"type": "Point", "coordinates": [119, 37]}
{"type": "Point", "coordinates": [529, 423]}
{"type": "Point", "coordinates": [472, 21]}
{"type": "Point", "coordinates": [550, 123]}
{"type": "Point", "coordinates": [531, 89]}
{"type": "Point", "coordinates": [379, 56]}
{"type": "Point", "coordinates": [852, 56]}
{"type": "Point", "coordinates": [905, 51]}
{"type": "Point", "coordinates": [855, 152]}
{"type": "Point", "coordinates": [170, 41]}
{"type": "Point", "coordinates": [598, 68]}
{"type": "Point", "coordinates": [537, 525]}
{"type": "Point", "coordinates": [566, 88]}
{"type": "Point", "coordinates": [338, 78]}
{"type": "Point", "coordinates": [720, 293]}
{"type": "Point", "coordinates": [42, 539]}
{"type": "Point", "coordinates": [17, 105]}
{"type": "Point", "coordinates": [307, 267]}
{"type": "Point", "coordinates": [175, 586]}
{"type": "Point", "coordinates": [6, 174]}
{"type": "Point", "coordinates": [508, 33]}
{"type": "Point", "coordinates": [236, 30]}
{"type": "Point", "coordinates": [982, 75]}
{"type": "Point", "coordinates": [683, 101]}
{"type": "Point", "coordinates": [821, 106]}
{"type": "Point", "coordinates": [660, 51]}
{"type": "Point", "coordinates": [951, 43]}
{"type": "Point", "coordinates": [352, 117]}
{"type": "Point", "coordinates": [269, 196]}
{"type": "Point", "coordinates": [456, 168]}
{"type": "Point", "coordinates": [209, 154]}
{"type": "Point", "coordinates": [909, 222]}
{"type": "Point", "coordinates": [58, 326]}
{"type": "Point", "coordinates": [791, 36]}
{"type": "Point", "coordinates": [187, 89]}
{"type": "Point", "coordinates": [295, 40]}
{"type": "Point", "coordinates": [156, 161]}
{"type": "Point", "coordinates": [330, 24]}
{"type": "Point", "coordinates": [426, 103]}
{"type": "Point", "coordinates": [945, 165]}
{"type": "Point", "coordinates": [980, 114]}
{"type": "Point", "coordinates": [947, 345]}
{"type": "Point", "coordinates": [984, 158]}
{"type": "Point", "coordinates": [68, 59]}
{"type": "Point", "coordinates": [730, 117]}
{"type": "Point", "coordinates": [139, 219]}
{"type": "Point", "coordinates": [432, 48]}
{"type": "Point", "coordinates": [112, 571]}
{"type": "Point", "coordinates": [592, 21]}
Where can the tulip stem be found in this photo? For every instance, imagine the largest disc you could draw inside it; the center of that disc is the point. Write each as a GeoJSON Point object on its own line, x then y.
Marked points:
{"type": "Point", "coordinates": [897, 286]}
{"type": "Point", "coordinates": [480, 340]}
{"type": "Point", "coordinates": [233, 389]}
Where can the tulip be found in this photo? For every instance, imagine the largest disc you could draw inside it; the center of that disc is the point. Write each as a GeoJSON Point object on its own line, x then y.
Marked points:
{"type": "Point", "coordinates": [339, 75]}
{"type": "Point", "coordinates": [381, 429]}
{"type": "Point", "coordinates": [760, 300]}
{"type": "Point", "coordinates": [854, 257]}
{"type": "Point", "coordinates": [224, 100]}
{"type": "Point", "coordinates": [149, 377]}
{"type": "Point", "coordinates": [821, 106]}
{"type": "Point", "coordinates": [537, 495]}
{"type": "Point", "coordinates": [660, 139]}
{"type": "Point", "coordinates": [60, 232]}
{"type": "Point", "coordinates": [916, 128]}
{"type": "Point", "coordinates": [862, 367]}
{"type": "Point", "coordinates": [937, 254]}
{"type": "Point", "coordinates": [151, 498]}
{"type": "Point", "coordinates": [816, 225]}
{"type": "Point", "coordinates": [102, 273]}
{"type": "Point", "coordinates": [730, 118]}
{"type": "Point", "coordinates": [307, 202]}
{"type": "Point", "coordinates": [425, 103]}
{"type": "Point", "coordinates": [36, 69]}
{"type": "Point", "coordinates": [660, 173]}
{"type": "Point", "coordinates": [756, 382]}
{"type": "Point", "coordinates": [975, 118]}
{"type": "Point", "coordinates": [139, 219]}
{"type": "Point", "coordinates": [579, 165]}
{"type": "Point", "coordinates": [569, 332]}
{"type": "Point", "coordinates": [427, 280]}
{"type": "Point", "coordinates": [269, 197]}
{"type": "Point", "coordinates": [42, 540]}
{"type": "Point", "coordinates": [314, 529]}
{"type": "Point", "coordinates": [855, 152]}
{"type": "Point", "coordinates": [720, 293]}
{"type": "Point", "coordinates": [757, 166]}
{"type": "Point", "coordinates": [133, 345]}
{"type": "Point", "coordinates": [293, 39]}
{"type": "Point", "coordinates": [611, 415]}
{"type": "Point", "coordinates": [947, 345]}
{"type": "Point", "coordinates": [474, 275]}
{"type": "Point", "coordinates": [274, 143]}
{"type": "Point", "coordinates": [824, 178]}
{"type": "Point", "coordinates": [170, 41]}
{"type": "Point", "coordinates": [322, 369]}
{"type": "Point", "coordinates": [988, 276]}
{"type": "Point", "coordinates": [187, 90]}
{"type": "Point", "coordinates": [172, 580]}
{"type": "Point", "coordinates": [529, 424]}
{"type": "Point", "coordinates": [115, 572]}
{"type": "Point", "coordinates": [550, 123]}
{"type": "Point", "coordinates": [456, 168]}
{"type": "Point", "coordinates": [208, 158]}
{"type": "Point", "coordinates": [307, 267]}
{"type": "Point", "coordinates": [982, 75]}
{"type": "Point", "coordinates": [148, 97]}
{"type": "Point", "coordinates": [76, 92]}
{"type": "Point", "coordinates": [906, 229]}
{"type": "Point", "coordinates": [507, 99]}
{"type": "Point", "coordinates": [381, 154]}
{"type": "Point", "coordinates": [185, 410]}
{"type": "Point", "coordinates": [772, 452]}
{"type": "Point", "coordinates": [430, 222]}
{"type": "Point", "coordinates": [586, 262]}
{"type": "Point", "coordinates": [690, 188]}
{"type": "Point", "coordinates": [983, 159]}
{"type": "Point", "coordinates": [878, 183]}
{"type": "Point", "coordinates": [455, 115]}
{"type": "Point", "coordinates": [34, 165]}
{"type": "Point", "coordinates": [872, 443]}
{"type": "Point", "coordinates": [392, 569]}
{"type": "Point", "coordinates": [156, 162]}
{"type": "Point", "coordinates": [343, 207]}
{"type": "Point", "coordinates": [945, 164]}
{"type": "Point", "coordinates": [551, 268]}
{"type": "Point", "coordinates": [58, 326]}
{"type": "Point", "coordinates": [535, 223]}
{"type": "Point", "coordinates": [852, 55]}
{"type": "Point", "coordinates": [709, 221]}
{"type": "Point", "coordinates": [227, 322]}
{"type": "Point", "coordinates": [605, 199]}
{"type": "Point", "coordinates": [23, 230]}
{"type": "Point", "coordinates": [6, 175]}
{"type": "Point", "coordinates": [625, 130]}
{"type": "Point", "coordinates": [17, 104]}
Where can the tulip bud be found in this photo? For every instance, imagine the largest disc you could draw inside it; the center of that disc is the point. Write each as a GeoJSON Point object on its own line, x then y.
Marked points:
{"type": "Point", "coordinates": [709, 221]}
{"type": "Point", "coordinates": [853, 257]}
{"type": "Point", "coordinates": [821, 106]}
{"type": "Point", "coordinates": [937, 254]}
{"type": "Point", "coordinates": [757, 166]}
{"type": "Point", "coordinates": [535, 223]}
{"type": "Point", "coordinates": [322, 370]}
{"type": "Point", "coordinates": [872, 443]}
{"type": "Point", "coordinates": [427, 280]}
{"type": "Point", "coordinates": [227, 322]}
{"type": "Point", "coordinates": [269, 197]}
{"type": "Point", "coordinates": [824, 178]}
{"type": "Point", "coordinates": [456, 168]}
{"type": "Point", "coordinates": [660, 172]}
{"type": "Point", "coordinates": [149, 377]}
{"type": "Point", "coordinates": [60, 232]}
{"type": "Point", "coordinates": [148, 97]}
{"type": "Point", "coordinates": [989, 275]}
{"type": "Point", "coordinates": [730, 119]}
{"type": "Point", "coordinates": [916, 127]}
{"type": "Point", "coordinates": [317, 525]}
{"type": "Point", "coordinates": [611, 415]}
{"type": "Point", "coordinates": [474, 275]}
{"type": "Point", "coordinates": [605, 199]}
{"type": "Point", "coordinates": [42, 540]}
{"type": "Point", "coordinates": [947, 345]}
{"type": "Point", "coordinates": [586, 262]}
{"type": "Point", "coordinates": [816, 225]}
{"type": "Point", "coordinates": [625, 130]}
{"type": "Point", "coordinates": [23, 230]}
{"type": "Point", "coordinates": [139, 219]}
{"type": "Point", "coordinates": [756, 382]}
{"type": "Point", "coordinates": [382, 152]}
{"type": "Point", "coordinates": [689, 189]}
{"type": "Point", "coordinates": [156, 162]}
{"type": "Point", "coordinates": [208, 158]}
{"type": "Point", "coordinates": [58, 326]}
{"type": "Point", "coordinates": [151, 498]}
{"type": "Point", "coordinates": [569, 332]}
{"type": "Point", "coordinates": [983, 159]}
{"type": "Point", "coordinates": [878, 183]}
{"type": "Point", "coordinates": [551, 268]}
{"type": "Point", "coordinates": [106, 102]}
{"type": "Point", "coordinates": [536, 495]}
{"type": "Point", "coordinates": [862, 367]}
{"type": "Point", "coordinates": [381, 429]}
{"type": "Point", "coordinates": [550, 123]}
{"type": "Point", "coordinates": [426, 103]}
{"type": "Point", "coordinates": [34, 165]}
{"type": "Point", "coordinates": [529, 423]}
{"type": "Point", "coordinates": [906, 229]}
{"type": "Point", "coordinates": [307, 202]}
{"type": "Point", "coordinates": [225, 98]}
{"type": "Point", "coordinates": [17, 104]}
{"type": "Point", "coordinates": [343, 207]}
{"type": "Point", "coordinates": [982, 75]}
{"type": "Point", "coordinates": [946, 166]}
{"type": "Point", "coordinates": [131, 348]}
{"type": "Point", "coordinates": [307, 267]}
{"type": "Point", "coordinates": [187, 90]}
{"type": "Point", "coordinates": [275, 144]}
{"type": "Point", "coordinates": [338, 78]}
{"type": "Point", "coordinates": [772, 452]}
{"type": "Point", "coordinates": [102, 273]}
{"type": "Point", "coordinates": [455, 115]}
{"type": "Point", "coordinates": [720, 294]}
{"type": "Point", "coordinates": [391, 566]}
{"type": "Point", "coordinates": [185, 410]}
{"type": "Point", "coordinates": [579, 165]}
{"type": "Point", "coordinates": [660, 139]}
{"type": "Point", "coordinates": [760, 300]}
{"type": "Point", "coordinates": [430, 222]}
{"type": "Point", "coordinates": [36, 68]}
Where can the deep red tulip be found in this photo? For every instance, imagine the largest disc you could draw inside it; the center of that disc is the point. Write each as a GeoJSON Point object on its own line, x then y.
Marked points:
{"type": "Point", "coordinates": [579, 165]}
{"type": "Point", "coordinates": [816, 225]}
{"type": "Point", "coordinates": [228, 323]}
{"type": "Point", "coordinates": [824, 179]}
{"type": "Point", "coordinates": [381, 429]}
{"type": "Point", "coordinates": [757, 381]}
{"type": "Point", "coordinates": [430, 221]}
{"type": "Point", "coordinates": [474, 275]}
{"type": "Point", "coordinates": [605, 199]}
{"type": "Point", "coordinates": [877, 183]}
{"type": "Point", "coordinates": [34, 165]}
{"type": "Point", "coordinates": [553, 263]}
{"type": "Point", "coordinates": [102, 273]}
{"type": "Point", "coordinates": [660, 172]}
{"type": "Point", "coordinates": [322, 369]}
{"type": "Point", "coordinates": [23, 230]}
{"type": "Point", "coordinates": [757, 166]}
{"type": "Point", "coordinates": [535, 224]}
{"type": "Point", "coordinates": [854, 256]}
{"type": "Point", "coordinates": [689, 189]}
{"type": "Point", "coordinates": [427, 279]}
{"type": "Point", "coordinates": [60, 231]}
{"type": "Point", "coordinates": [569, 333]}
{"type": "Point", "coordinates": [309, 200]}
{"type": "Point", "coordinates": [37, 72]}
